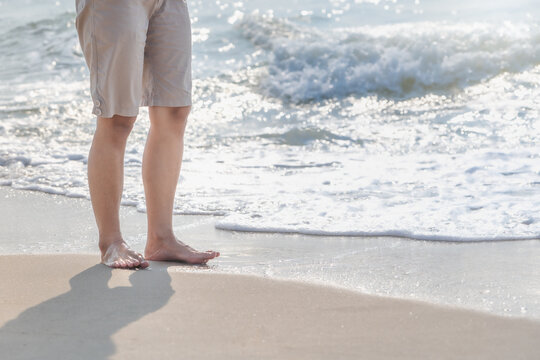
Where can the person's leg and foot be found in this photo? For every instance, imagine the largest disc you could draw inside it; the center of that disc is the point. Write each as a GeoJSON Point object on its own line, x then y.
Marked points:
{"type": "Point", "coordinates": [162, 160]}
{"type": "Point", "coordinates": [105, 180]}
{"type": "Point", "coordinates": [112, 38]}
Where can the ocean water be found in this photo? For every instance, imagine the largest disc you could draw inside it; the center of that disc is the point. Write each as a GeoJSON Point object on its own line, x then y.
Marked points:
{"type": "Point", "coordinates": [407, 118]}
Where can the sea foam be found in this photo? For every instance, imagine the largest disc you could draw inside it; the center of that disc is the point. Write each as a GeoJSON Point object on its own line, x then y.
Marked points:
{"type": "Point", "coordinates": [398, 60]}
{"type": "Point", "coordinates": [427, 130]}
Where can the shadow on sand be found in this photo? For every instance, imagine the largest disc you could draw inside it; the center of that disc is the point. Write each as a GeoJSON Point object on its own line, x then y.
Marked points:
{"type": "Point", "coordinates": [80, 324]}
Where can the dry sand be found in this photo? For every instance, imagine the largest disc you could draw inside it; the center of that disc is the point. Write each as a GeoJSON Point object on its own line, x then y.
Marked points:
{"type": "Point", "coordinates": [71, 307]}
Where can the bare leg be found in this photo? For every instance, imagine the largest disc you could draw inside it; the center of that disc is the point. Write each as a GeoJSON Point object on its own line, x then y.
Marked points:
{"type": "Point", "coordinates": [162, 160]}
{"type": "Point", "coordinates": [105, 180]}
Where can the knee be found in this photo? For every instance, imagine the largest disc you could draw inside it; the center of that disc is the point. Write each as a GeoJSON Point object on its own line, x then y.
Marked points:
{"type": "Point", "coordinates": [172, 120]}
{"type": "Point", "coordinates": [180, 113]}
{"type": "Point", "coordinates": [116, 128]}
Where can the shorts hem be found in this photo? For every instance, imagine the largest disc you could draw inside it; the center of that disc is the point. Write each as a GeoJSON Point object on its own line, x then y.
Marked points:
{"type": "Point", "coordinates": [175, 103]}
{"type": "Point", "coordinates": [107, 115]}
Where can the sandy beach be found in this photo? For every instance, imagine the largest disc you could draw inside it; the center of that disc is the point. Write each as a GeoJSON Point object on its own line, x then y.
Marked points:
{"type": "Point", "coordinates": [368, 171]}
{"type": "Point", "coordinates": [70, 306]}
{"type": "Point", "coordinates": [501, 278]}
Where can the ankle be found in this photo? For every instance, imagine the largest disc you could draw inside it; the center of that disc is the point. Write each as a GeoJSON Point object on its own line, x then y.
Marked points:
{"type": "Point", "coordinates": [160, 236]}
{"type": "Point", "coordinates": [105, 241]}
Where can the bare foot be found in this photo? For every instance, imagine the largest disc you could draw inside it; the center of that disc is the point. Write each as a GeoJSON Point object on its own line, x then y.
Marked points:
{"type": "Point", "coordinates": [172, 249]}
{"type": "Point", "coordinates": [119, 255]}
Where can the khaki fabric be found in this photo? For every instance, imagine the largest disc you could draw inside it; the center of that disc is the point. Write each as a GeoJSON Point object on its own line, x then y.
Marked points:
{"type": "Point", "coordinates": [138, 53]}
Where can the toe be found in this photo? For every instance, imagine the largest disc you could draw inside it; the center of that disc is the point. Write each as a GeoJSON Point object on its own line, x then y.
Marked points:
{"type": "Point", "coordinates": [133, 261]}
{"type": "Point", "coordinates": [207, 256]}
{"type": "Point", "coordinates": [142, 262]}
{"type": "Point", "coordinates": [138, 260]}
{"type": "Point", "coordinates": [141, 259]}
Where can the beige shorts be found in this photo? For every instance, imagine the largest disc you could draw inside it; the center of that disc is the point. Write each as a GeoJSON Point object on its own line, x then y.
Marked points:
{"type": "Point", "coordinates": [138, 53]}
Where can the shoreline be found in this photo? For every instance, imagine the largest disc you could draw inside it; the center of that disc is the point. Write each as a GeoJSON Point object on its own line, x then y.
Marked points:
{"type": "Point", "coordinates": [316, 233]}
{"type": "Point", "coordinates": [477, 276]}
{"type": "Point", "coordinates": [97, 312]}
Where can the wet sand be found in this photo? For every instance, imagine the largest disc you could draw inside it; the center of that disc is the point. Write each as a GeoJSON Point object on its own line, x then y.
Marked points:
{"type": "Point", "coordinates": [501, 277]}
{"type": "Point", "coordinates": [68, 306]}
